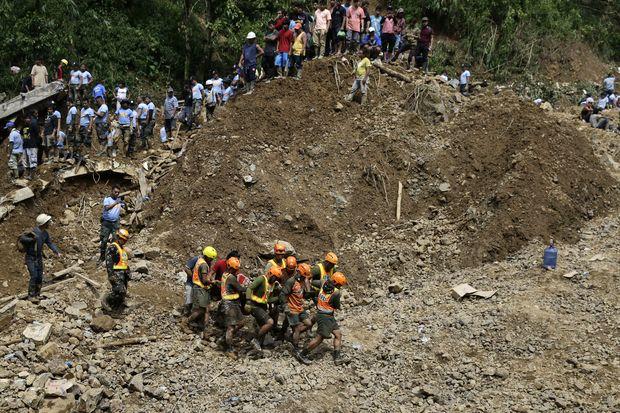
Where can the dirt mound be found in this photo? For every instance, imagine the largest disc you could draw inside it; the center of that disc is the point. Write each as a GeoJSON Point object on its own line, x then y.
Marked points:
{"type": "Point", "coordinates": [572, 62]}
{"type": "Point", "coordinates": [516, 173]}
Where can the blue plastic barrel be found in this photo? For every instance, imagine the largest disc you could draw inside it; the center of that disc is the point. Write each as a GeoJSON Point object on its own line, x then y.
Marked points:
{"type": "Point", "coordinates": [550, 257]}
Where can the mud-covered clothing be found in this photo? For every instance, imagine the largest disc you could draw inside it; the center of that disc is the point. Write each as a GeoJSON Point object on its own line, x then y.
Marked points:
{"type": "Point", "coordinates": [35, 249]}
{"type": "Point", "coordinates": [260, 291]}
{"type": "Point", "coordinates": [118, 277]}
{"type": "Point", "coordinates": [200, 297]}
{"type": "Point", "coordinates": [231, 287]}
{"type": "Point", "coordinates": [231, 304]}
{"type": "Point", "coordinates": [292, 295]}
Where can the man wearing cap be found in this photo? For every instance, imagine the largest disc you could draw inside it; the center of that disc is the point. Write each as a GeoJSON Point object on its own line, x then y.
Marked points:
{"type": "Point", "coordinates": [425, 45]}
{"type": "Point", "coordinates": [33, 243]}
{"type": "Point", "coordinates": [171, 107]}
{"type": "Point", "coordinates": [16, 149]}
{"type": "Point", "coordinates": [249, 55]}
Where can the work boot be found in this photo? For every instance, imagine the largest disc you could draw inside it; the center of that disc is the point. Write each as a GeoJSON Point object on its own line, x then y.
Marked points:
{"type": "Point", "coordinates": [286, 72]}
{"type": "Point", "coordinates": [302, 356]}
{"type": "Point", "coordinates": [279, 72]}
{"type": "Point", "coordinates": [298, 77]}
{"type": "Point", "coordinates": [105, 306]}
{"type": "Point", "coordinates": [256, 345]}
{"type": "Point", "coordinates": [339, 358]}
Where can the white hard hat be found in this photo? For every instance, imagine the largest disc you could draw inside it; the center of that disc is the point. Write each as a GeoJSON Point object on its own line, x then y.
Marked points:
{"type": "Point", "coordinates": [371, 29]}
{"type": "Point", "coordinates": [590, 100]}
{"type": "Point", "coordinates": [251, 35]}
{"type": "Point", "coordinates": [209, 82]}
{"type": "Point", "coordinates": [43, 219]}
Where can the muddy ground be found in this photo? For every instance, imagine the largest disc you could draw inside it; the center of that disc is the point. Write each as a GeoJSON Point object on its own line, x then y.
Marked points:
{"type": "Point", "coordinates": [487, 180]}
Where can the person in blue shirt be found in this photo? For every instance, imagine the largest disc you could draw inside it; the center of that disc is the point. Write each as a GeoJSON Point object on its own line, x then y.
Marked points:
{"type": "Point", "coordinates": [373, 41]}
{"type": "Point", "coordinates": [110, 220]}
{"type": "Point", "coordinates": [87, 117]}
{"type": "Point", "coordinates": [99, 91]}
{"type": "Point", "coordinates": [124, 115]}
{"type": "Point", "coordinates": [101, 120]}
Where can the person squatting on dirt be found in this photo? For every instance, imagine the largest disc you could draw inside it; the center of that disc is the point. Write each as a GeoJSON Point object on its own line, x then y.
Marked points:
{"type": "Point", "coordinates": [31, 243]}
{"type": "Point", "coordinates": [117, 266]}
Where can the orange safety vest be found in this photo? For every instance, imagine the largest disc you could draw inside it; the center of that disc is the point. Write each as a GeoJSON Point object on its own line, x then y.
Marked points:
{"type": "Point", "coordinates": [227, 295]}
{"type": "Point", "coordinates": [196, 275]}
{"type": "Point", "coordinates": [123, 260]}
{"type": "Point", "coordinates": [266, 293]}
{"type": "Point", "coordinates": [322, 303]}
{"type": "Point", "coordinates": [295, 299]}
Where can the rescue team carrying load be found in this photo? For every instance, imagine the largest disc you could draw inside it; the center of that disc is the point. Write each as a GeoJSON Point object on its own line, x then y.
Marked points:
{"type": "Point", "coordinates": [283, 286]}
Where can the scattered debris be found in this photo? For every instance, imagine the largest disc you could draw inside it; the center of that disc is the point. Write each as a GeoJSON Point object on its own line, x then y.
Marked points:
{"type": "Point", "coordinates": [38, 332]}
{"type": "Point", "coordinates": [463, 290]}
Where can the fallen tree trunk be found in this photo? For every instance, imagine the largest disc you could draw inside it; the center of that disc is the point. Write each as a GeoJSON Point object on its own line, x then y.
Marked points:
{"type": "Point", "coordinates": [44, 289]}
{"type": "Point", "coordinates": [391, 72]}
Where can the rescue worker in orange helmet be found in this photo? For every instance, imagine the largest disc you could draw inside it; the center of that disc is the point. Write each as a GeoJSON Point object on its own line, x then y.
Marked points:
{"type": "Point", "coordinates": [202, 280]}
{"type": "Point", "coordinates": [292, 297]}
{"type": "Point", "coordinates": [279, 252]}
{"type": "Point", "coordinates": [117, 266]}
{"type": "Point", "coordinates": [231, 291]}
{"type": "Point", "coordinates": [322, 270]}
{"type": "Point", "coordinates": [258, 296]}
{"type": "Point", "coordinates": [328, 302]}
{"type": "Point", "coordinates": [290, 267]}
{"type": "Point", "coordinates": [275, 309]}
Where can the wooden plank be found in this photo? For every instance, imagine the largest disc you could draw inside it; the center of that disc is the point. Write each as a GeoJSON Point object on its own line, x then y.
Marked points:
{"type": "Point", "coordinates": [128, 341]}
{"type": "Point", "coordinates": [399, 200]}
{"type": "Point", "coordinates": [391, 72]}
{"type": "Point", "coordinates": [9, 306]}
{"type": "Point", "coordinates": [145, 189]}
{"type": "Point", "coordinates": [88, 280]}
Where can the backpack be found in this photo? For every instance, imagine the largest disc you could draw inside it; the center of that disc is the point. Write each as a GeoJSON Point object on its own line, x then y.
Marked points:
{"type": "Point", "coordinates": [25, 240]}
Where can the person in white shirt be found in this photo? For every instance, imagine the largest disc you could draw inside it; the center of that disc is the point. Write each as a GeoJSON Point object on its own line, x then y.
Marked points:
{"type": "Point", "coordinates": [85, 79]}
{"type": "Point", "coordinates": [150, 119]}
{"type": "Point", "coordinates": [198, 91]}
{"type": "Point", "coordinates": [609, 84]}
{"type": "Point", "coordinates": [121, 92]}
{"type": "Point", "coordinates": [229, 92]}
{"type": "Point", "coordinates": [142, 114]}
{"type": "Point", "coordinates": [211, 99]}
{"type": "Point", "coordinates": [218, 86]}
{"type": "Point", "coordinates": [87, 117]}
{"type": "Point", "coordinates": [74, 82]}
{"type": "Point", "coordinates": [72, 125]}
{"type": "Point", "coordinates": [464, 79]}
{"type": "Point", "coordinates": [101, 121]}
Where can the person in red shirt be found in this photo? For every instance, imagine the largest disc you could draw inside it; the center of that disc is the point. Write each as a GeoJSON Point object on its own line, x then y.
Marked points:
{"type": "Point", "coordinates": [285, 40]}
{"type": "Point", "coordinates": [424, 46]}
{"type": "Point", "coordinates": [354, 23]}
{"type": "Point", "coordinates": [280, 19]}
{"type": "Point", "coordinates": [60, 70]}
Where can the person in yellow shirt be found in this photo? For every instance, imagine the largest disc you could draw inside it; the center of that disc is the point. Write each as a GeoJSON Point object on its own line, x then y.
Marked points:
{"type": "Point", "coordinates": [362, 71]}
{"type": "Point", "coordinates": [299, 49]}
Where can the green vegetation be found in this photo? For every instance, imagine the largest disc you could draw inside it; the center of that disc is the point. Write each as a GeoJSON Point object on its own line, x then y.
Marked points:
{"type": "Point", "coordinates": [507, 36]}
{"type": "Point", "coordinates": [138, 41]}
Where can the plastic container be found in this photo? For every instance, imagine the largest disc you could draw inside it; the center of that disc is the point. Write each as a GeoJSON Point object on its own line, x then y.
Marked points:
{"type": "Point", "coordinates": [550, 257]}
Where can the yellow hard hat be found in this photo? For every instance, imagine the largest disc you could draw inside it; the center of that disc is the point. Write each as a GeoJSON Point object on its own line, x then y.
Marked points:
{"type": "Point", "coordinates": [209, 252]}
{"type": "Point", "coordinates": [64, 61]}
{"type": "Point", "coordinates": [123, 234]}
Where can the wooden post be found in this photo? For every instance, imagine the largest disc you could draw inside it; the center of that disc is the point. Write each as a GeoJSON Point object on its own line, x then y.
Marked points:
{"type": "Point", "coordinates": [399, 200]}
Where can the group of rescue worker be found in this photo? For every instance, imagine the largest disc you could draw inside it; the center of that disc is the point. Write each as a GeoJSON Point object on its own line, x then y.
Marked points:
{"type": "Point", "coordinates": [283, 286]}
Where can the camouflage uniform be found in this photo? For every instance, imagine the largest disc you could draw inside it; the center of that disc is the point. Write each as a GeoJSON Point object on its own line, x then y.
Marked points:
{"type": "Point", "coordinates": [118, 280]}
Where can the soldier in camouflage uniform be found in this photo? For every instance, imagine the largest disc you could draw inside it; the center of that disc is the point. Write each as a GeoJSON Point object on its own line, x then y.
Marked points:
{"type": "Point", "coordinates": [118, 272]}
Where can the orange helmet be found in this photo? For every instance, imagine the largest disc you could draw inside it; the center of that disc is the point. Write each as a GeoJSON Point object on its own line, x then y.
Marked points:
{"type": "Point", "coordinates": [332, 258]}
{"type": "Point", "coordinates": [279, 249]}
{"type": "Point", "coordinates": [338, 278]}
{"type": "Point", "coordinates": [274, 271]}
{"type": "Point", "coordinates": [291, 263]}
{"type": "Point", "coordinates": [304, 270]}
{"type": "Point", "coordinates": [234, 263]}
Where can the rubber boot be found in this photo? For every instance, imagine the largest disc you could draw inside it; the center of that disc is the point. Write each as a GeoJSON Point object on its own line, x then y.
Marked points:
{"type": "Point", "coordinates": [298, 77]}
{"type": "Point", "coordinates": [349, 97]}
{"type": "Point", "coordinates": [279, 72]}
{"type": "Point", "coordinates": [286, 72]}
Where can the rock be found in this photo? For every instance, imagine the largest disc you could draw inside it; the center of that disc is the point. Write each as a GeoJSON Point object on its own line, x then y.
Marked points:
{"type": "Point", "coordinates": [41, 379]}
{"type": "Point", "coordinates": [116, 406]}
{"type": "Point", "coordinates": [58, 387]}
{"type": "Point", "coordinates": [32, 398]}
{"type": "Point", "coordinates": [395, 288]}
{"type": "Point", "coordinates": [140, 267]}
{"type": "Point", "coordinates": [75, 309]}
{"type": "Point", "coordinates": [444, 187]}
{"type": "Point", "coordinates": [462, 290]}
{"type": "Point", "coordinates": [48, 351]}
{"type": "Point", "coordinates": [38, 332]}
{"type": "Point", "coordinates": [102, 323]}
{"type": "Point", "coordinates": [89, 400]}
{"type": "Point", "coordinates": [68, 217]}
{"type": "Point", "coordinates": [338, 107]}
{"type": "Point", "coordinates": [152, 253]}
{"type": "Point", "coordinates": [58, 406]}
{"type": "Point", "coordinates": [137, 383]}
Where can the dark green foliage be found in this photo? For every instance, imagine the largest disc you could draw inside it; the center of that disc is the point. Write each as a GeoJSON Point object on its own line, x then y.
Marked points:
{"type": "Point", "coordinates": [506, 36]}
{"type": "Point", "coordinates": [139, 41]}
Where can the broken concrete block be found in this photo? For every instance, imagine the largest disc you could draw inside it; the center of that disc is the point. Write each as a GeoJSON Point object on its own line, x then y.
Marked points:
{"type": "Point", "coordinates": [484, 294]}
{"type": "Point", "coordinates": [76, 308]}
{"type": "Point", "coordinates": [58, 387]}
{"type": "Point", "coordinates": [89, 400]}
{"type": "Point", "coordinates": [22, 195]}
{"type": "Point", "coordinates": [570, 274]}
{"type": "Point", "coordinates": [137, 383]}
{"type": "Point", "coordinates": [58, 405]}
{"type": "Point", "coordinates": [462, 290]}
{"type": "Point", "coordinates": [395, 288]}
{"type": "Point", "coordinates": [39, 332]}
